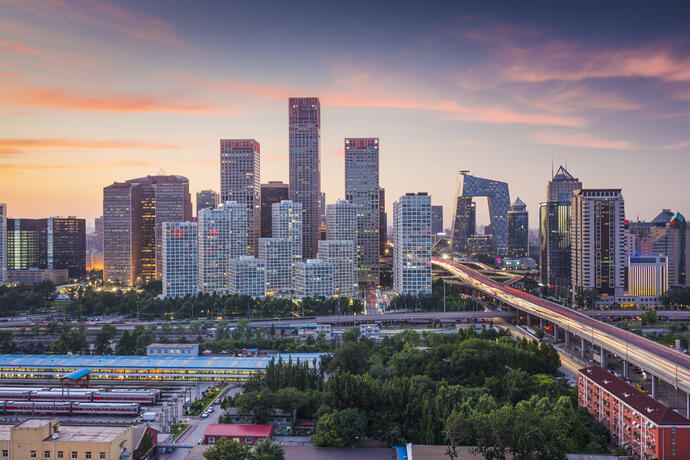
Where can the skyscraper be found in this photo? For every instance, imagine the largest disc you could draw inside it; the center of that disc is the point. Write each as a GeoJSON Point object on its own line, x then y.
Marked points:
{"type": "Point", "coordinates": [341, 255]}
{"type": "Point", "coordinates": [554, 231]}
{"type": "Point", "coordinates": [597, 241]}
{"type": "Point", "coordinates": [273, 192]}
{"type": "Point", "coordinates": [240, 181]}
{"type": "Point", "coordinates": [436, 219]}
{"type": "Point", "coordinates": [305, 165]}
{"type": "Point", "coordinates": [27, 244]}
{"type": "Point", "coordinates": [248, 276]}
{"type": "Point", "coordinates": [222, 235]}
{"type": "Point", "coordinates": [277, 252]}
{"type": "Point", "coordinates": [3, 243]}
{"type": "Point", "coordinates": [206, 199]}
{"type": "Point", "coordinates": [518, 228]}
{"type": "Point", "coordinates": [314, 278]}
{"type": "Point", "coordinates": [67, 245]}
{"type": "Point", "coordinates": [98, 234]}
{"type": "Point", "coordinates": [362, 190]}
{"type": "Point", "coordinates": [287, 223]}
{"type": "Point", "coordinates": [341, 221]}
{"type": "Point", "coordinates": [464, 223]}
{"type": "Point", "coordinates": [499, 204]}
{"type": "Point", "coordinates": [383, 221]}
{"type": "Point", "coordinates": [133, 215]}
{"type": "Point", "coordinates": [180, 263]}
{"type": "Point", "coordinates": [669, 236]}
{"type": "Point", "coordinates": [412, 244]}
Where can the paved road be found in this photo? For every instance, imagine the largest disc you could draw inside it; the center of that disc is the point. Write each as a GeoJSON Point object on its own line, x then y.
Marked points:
{"type": "Point", "coordinates": [661, 361]}
{"type": "Point", "coordinates": [196, 432]}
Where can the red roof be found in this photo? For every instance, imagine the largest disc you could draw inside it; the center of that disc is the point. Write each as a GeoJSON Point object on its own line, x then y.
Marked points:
{"type": "Point", "coordinates": [232, 430]}
{"type": "Point", "coordinates": [651, 408]}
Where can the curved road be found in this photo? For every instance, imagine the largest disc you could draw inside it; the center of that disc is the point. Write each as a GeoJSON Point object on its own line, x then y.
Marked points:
{"type": "Point", "coordinates": [671, 366]}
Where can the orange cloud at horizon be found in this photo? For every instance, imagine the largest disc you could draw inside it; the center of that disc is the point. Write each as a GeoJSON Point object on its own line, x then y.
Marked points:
{"type": "Point", "coordinates": [14, 145]}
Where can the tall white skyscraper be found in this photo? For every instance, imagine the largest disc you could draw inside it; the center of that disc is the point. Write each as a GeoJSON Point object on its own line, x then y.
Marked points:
{"type": "Point", "coordinates": [240, 181]}
{"type": "Point", "coordinates": [248, 276]}
{"type": "Point", "coordinates": [597, 237]}
{"type": "Point", "coordinates": [314, 278]}
{"type": "Point", "coordinates": [180, 263]}
{"type": "Point", "coordinates": [222, 236]}
{"type": "Point", "coordinates": [287, 223]}
{"type": "Point", "coordinates": [3, 243]}
{"type": "Point", "coordinates": [277, 252]}
{"type": "Point", "coordinates": [341, 254]}
{"type": "Point", "coordinates": [412, 244]}
{"type": "Point", "coordinates": [362, 189]}
{"type": "Point", "coordinates": [304, 114]}
{"type": "Point", "coordinates": [341, 221]}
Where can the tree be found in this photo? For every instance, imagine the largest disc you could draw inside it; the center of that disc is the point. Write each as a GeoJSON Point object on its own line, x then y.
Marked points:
{"type": "Point", "coordinates": [326, 432]}
{"type": "Point", "coordinates": [351, 426]}
{"type": "Point", "coordinates": [228, 450]}
{"type": "Point", "coordinates": [268, 450]}
{"type": "Point", "coordinates": [649, 317]}
{"type": "Point", "coordinates": [104, 338]}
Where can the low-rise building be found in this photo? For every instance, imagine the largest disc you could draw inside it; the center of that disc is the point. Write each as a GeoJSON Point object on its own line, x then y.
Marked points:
{"type": "Point", "coordinates": [244, 434]}
{"type": "Point", "coordinates": [280, 420]}
{"type": "Point", "coordinates": [38, 275]}
{"type": "Point", "coordinates": [47, 439]}
{"type": "Point", "coordinates": [173, 349]}
{"type": "Point", "coordinates": [643, 426]}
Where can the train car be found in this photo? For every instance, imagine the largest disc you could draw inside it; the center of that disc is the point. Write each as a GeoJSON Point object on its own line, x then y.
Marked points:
{"type": "Point", "coordinates": [52, 408]}
{"type": "Point", "coordinates": [126, 409]}
{"type": "Point", "coordinates": [61, 396]}
{"type": "Point", "coordinates": [19, 407]}
{"type": "Point", "coordinates": [15, 395]}
{"type": "Point", "coordinates": [142, 397]}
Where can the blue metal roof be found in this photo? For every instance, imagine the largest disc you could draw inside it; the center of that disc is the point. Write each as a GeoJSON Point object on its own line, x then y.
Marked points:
{"type": "Point", "coordinates": [146, 362]}
{"type": "Point", "coordinates": [76, 375]}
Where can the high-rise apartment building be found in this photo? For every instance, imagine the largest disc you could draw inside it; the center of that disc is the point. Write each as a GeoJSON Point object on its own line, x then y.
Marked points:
{"type": "Point", "coordinates": [133, 215]}
{"type": "Point", "coordinates": [277, 253]}
{"type": "Point", "coordinates": [314, 278]}
{"type": "Point", "coordinates": [206, 199]}
{"type": "Point", "coordinates": [362, 190]}
{"type": "Point", "coordinates": [597, 241]}
{"type": "Point", "coordinates": [222, 234]}
{"type": "Point", "coordinates": [240, 181]}
{"type": "Point", "coordinates": [412, 244]}
{"type": "Point", "coordinates": [180, 263]}
{"type": "Point", "coordinates": [273, 192]}
{"type": "Point", "coordinates": [518, 228]}
{"type": "Point", "coordinates": [383, 222]}
{"type": "Point", "coordinates": [287, 223]}
{"type": "Point", "coordinates": [341, 221]}
{"type": "Point", "coordinates": [248, 276]}
{"type": "Point", "coordinates": [67, 245]}
{"type": "Point", "coordinates": [305, 166]}
{"type": "Point", "coordinates": [3, 243]}
{"type": "Point", "coordinates": [341, 255]}
{"type": "Point", "coordinates": [436, 219]}
{"type": "Point", "coordinates": [554, 231]}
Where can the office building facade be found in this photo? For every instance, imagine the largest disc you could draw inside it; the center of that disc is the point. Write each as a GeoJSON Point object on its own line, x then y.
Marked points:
{"type": "Point", "coordinates": [273, 192]}
{"type": "Point", "coordinates": [436, 219]}
{"type": "Point", "coordinates": [305, 166]}
{"type": "Point", "coordinates": [248, 276]}
{"type": "Point", "coordinates": [341, 255]}
{"type": "Point", "coordinates": [464, 223]}
{"type": "Point", "coordinates": [67, 245]}
{"type": "Point", "coordinates": [287, 223]}
{"type": "Point", "coordinates": [27, 244]}
{"type": "Point", "coordinates": [554, 232]}
{"type": "Point", "coordinates": [669, 236]}
{"type": "Point", "coordinates": [412, 244]}
{"type": "Point", "coordinates": [314, 278]}
{"type": "Point", "coordinates": [3, 243]}
{"type": "Point", "coordinates": [518, 229]}
{"type": "Point", "coordinates": [180, 263]}
{"type": "Point", "coordinates": [383, 222]}
{"type": "Point", "coordinates": [341, 221]}
{"type": "Point", "coordinates": [277, 253]}
{"type": "Point", "coordinates": [222, 234]}
{"type": "Point", "coordinates": [647, 276]}
{"type": "Point", "coordinates": [597, 241]}
{"type": "Point", "coordinates": [362, 190]}
{"type": "Point", "coordinates": [240, 181]}
{"type": "Point", "coordinates": [206, 199]}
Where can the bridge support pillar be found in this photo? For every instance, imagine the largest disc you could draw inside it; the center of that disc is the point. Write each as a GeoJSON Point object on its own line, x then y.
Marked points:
{"type": "Point", "coordinates": [625, 370]}
{"type": "Point", "coordinates": [566, 335]}
{"type": "Point", "coordinates": [529, 320]}
{"type": "Point", "coordinates": [582, 347]}
{"type": "Point", "coordinates": [555, 333]}
{"type": "Point", "coordinates": [541, 324]}
{"type": "Point", "coordinates": [655, 384]}
{"type": "Point", "coordinates": [602, 356]}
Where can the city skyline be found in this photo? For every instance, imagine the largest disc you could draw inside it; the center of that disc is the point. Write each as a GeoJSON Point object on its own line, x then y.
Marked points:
{"type": "Point", "coordinates": [506, 95]}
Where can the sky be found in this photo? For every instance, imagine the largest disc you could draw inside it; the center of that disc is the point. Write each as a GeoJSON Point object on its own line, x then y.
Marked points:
{"type": "Point", "coordinates": [94, 92]}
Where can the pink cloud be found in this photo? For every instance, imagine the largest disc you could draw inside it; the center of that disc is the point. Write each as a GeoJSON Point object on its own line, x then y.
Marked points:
{"type": "Point", "coordinates": [18, 47]}
{"type": "Point", "coordinates": [56, 98]}
{"type": "Point", "coordinates": [579, 140]}
{"type": "Point", "coordinates": [566, 98]}
{"type": "Point", "coordinates": [74, 167]}
{"type": "Point", "coordinates": [84, 143]}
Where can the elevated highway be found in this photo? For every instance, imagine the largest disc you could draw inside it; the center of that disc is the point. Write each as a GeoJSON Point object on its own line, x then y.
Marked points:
{"type": "Point", "coordinates": [661, 362]}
